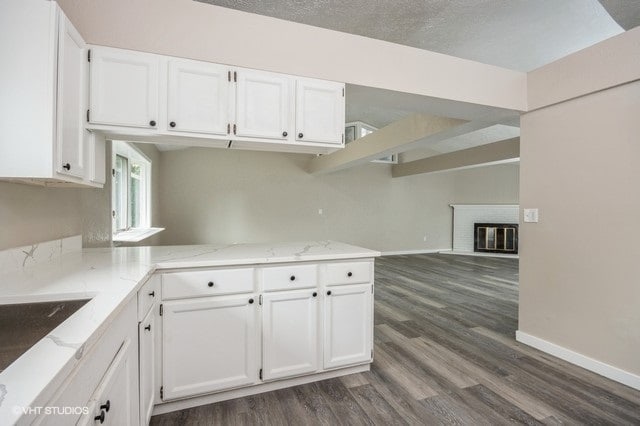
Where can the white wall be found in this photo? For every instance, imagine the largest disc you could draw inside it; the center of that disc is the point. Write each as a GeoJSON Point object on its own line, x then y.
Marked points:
{"type": "Point", "coordinates": [226, 196]}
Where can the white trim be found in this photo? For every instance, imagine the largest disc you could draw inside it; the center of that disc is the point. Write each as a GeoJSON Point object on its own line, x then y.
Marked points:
{"type": "Point", "coordinates": [482, 254]}
{"type": "Point", "coordinates": [599, 367]}
{"type": "Point", "coordinates": [419, 251]}
{"type": "Point", "coordinates": [135, 235]}
{"type": "Point", "coordinates": [482, 206]}
{"type": "Point", "coordinates": [168, 407]}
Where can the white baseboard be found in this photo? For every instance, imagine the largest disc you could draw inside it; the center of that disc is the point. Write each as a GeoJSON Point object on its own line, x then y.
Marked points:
{"type": "Point", "coordinates": [598, 367]}
{"type": "Point", "coordinates": [483, 254]}
{"type": "Point", "coordinates": [419, 251]}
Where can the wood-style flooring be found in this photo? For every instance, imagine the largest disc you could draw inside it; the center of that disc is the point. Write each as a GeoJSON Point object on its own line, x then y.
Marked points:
{"type": "Point", "coordinates": [445, 353]}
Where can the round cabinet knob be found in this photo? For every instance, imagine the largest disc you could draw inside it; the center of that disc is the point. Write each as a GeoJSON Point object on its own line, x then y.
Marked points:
{"type": "Point", "coordinates": [100, 417]}
{"type": "Point", "coordinates": [152, 123]}
{"type": "Point", "coordinates": [66, 166]}
{"type": "Point", "coordinates": [300, 135]}
{"type": "Point", "coordinates": [172, 124]}
{"type": "Point", "coordinates": [314, 294]}
{"type": "Point", "coordinates": [152, 294]}
{"type": "Point", "coordinates": [210, 283]}
{"type": "Point", "coordinates": [292, 277]}
{"type": "Point", "coordinates": [106, 406]}
{"type": "Point", "coordinates": [148, 328]}
{"type": "Point", "coordinates": [250, 301]}
{"type": "Point", "coordinates": [285, 134]}
{"type": "Point", "coordinates": [329, 293]}
{"type": "Point", "coordinates": [349, 274]}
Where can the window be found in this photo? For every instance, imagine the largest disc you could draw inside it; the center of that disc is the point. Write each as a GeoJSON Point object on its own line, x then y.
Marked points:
{"type": "Point", "coordinates": [131, 198]}
{"type": "Point", "coordinates": [358, 129]}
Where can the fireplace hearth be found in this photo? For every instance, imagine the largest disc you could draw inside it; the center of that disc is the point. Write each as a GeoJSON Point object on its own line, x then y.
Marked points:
{"type": "Point", "coordinates": [495, 238]}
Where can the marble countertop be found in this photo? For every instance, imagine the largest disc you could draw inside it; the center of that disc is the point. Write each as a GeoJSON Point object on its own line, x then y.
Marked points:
{"type": "Point", "coordinates": [61, 270]}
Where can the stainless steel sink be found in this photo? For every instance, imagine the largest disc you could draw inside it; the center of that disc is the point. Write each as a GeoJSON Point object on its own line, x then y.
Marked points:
{"type": "Point", "coordinates": [23, 324]}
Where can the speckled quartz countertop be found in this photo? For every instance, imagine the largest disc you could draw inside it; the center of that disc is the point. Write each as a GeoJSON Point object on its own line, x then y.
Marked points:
{"type": "Point", "coordinates": [61, 270]}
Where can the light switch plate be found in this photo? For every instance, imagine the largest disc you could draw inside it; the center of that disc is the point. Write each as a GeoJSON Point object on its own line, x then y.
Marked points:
{"type": "Point", "coordinates": [531, 215]}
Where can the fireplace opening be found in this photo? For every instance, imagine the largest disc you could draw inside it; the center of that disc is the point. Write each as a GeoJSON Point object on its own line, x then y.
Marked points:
{"type": "Point", "coordinates": [495, 237]}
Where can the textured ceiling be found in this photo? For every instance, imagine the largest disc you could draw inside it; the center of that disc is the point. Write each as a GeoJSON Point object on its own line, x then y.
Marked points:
{"type": "Point", "coordinates": [516, 34]}
{"type": "Point", "coordinates": [625, 12]}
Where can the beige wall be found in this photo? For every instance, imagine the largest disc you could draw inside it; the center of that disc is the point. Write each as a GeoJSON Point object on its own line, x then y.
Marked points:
{"type": "Point", "coordinates": [226, 196]}
{"type": "Point", "coordinates": [579, 266]}
{"type": "Point", "coordinates": [488, 185]}
{"type": "Point", "coordinates": [31, 214]}
{"type": "Point", "coordinates": [190, 29]}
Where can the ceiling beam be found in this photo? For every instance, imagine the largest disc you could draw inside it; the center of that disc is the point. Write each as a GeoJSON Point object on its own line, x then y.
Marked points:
{"type": "Point", "coordinates": [400, 136]}
{"type": "Point", "coordinates": [483, 155]}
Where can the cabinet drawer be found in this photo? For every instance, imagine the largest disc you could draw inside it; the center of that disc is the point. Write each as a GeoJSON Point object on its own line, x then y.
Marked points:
{"type": "Point", "coordinates": [349, 273]}
{"type": "Point", "coordinates": [178, 285]}
{"type": "Point", "coordinates": [147, 295]}
{"type": "Point", "coordinates": [289, 277]}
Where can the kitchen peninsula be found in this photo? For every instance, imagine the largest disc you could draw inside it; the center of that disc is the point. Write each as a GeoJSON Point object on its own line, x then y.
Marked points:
{"type": "Point", "coordinates": [169, 327]}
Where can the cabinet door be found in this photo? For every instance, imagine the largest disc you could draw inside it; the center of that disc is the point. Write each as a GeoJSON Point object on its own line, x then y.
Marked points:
{"type": "Point", "coordinates": [116, 398]}
{"type": "Point", "coordinates": [209, 344]}
{"type": "Point", "coordinates": [71, 100]}
{"type": "Point", "coordinates": [198, 97]}
{"type": "Point", "coordinates": [146, 338]}
{"type": "Point", "coordinates": [319, 111]}
{"type": "Point", "coordinates": [262, 104]}
{"type": "Point", "coordinates": [124, 88]}
{"type": "Point", "coordinates": [347, 325]}
{"type": "Point", "coordinates": [290, 333]}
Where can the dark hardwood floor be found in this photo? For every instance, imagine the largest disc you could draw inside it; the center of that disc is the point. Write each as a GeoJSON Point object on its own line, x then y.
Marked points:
{"type": "Point", "coordinates": [445, 353]}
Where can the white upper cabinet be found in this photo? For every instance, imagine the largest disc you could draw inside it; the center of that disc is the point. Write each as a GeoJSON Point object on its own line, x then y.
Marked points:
{"type": "Point", "coordinates": [72, 79]}
{"type": "Point", "coordinates": [199, 103]}
{"type": "Point", "coordinates": [347, 325]}
{"type": "Point", "coordinates": [290, 333]}
{"type": "Point", "coordinates": [319, 111]}
{"type": "Point", "coordinates": [262, 104]}
{"type": "Point", "coordinates": [124, 88]}
{"type": "Point", "coordinates": [44, 98]}
{"type": "Point", "coordinates": [198, 97]}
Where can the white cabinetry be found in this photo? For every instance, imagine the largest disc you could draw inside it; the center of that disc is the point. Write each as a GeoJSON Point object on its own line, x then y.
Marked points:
{"type": "Point", "coordinates": [44, 99]}
{"type": "Point", "coordinates": [107, 372]}
{"type": "Point", "coordinates": [154, 98]}
{"type": "Point", "coordinates": [209, 344]}
{"type": "Point", "coordinates": [71, 136]}
{"type": "Point", "coordinates": [290, 333]}
{"type": "Point", "coordinates": [198, 98]}
{"type": "Point", "coordinates": [146, 339]}
{"type": "Point", "coordinates": [124, 88]}
{"type": "Point", "coordinates": [347, 325]}
{"type": "Point", "coordinates": [115, 401]}
{"type": "Point", "coordinates": [222, 326]}
{"type": "Point", "coordinates": [262, 104]}
{"type": "Point", "coordinates": [319, 111]}
{"type": "Point", "coordinates": [148, 342]}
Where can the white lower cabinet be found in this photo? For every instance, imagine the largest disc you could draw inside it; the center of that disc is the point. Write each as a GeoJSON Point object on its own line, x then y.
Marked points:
{"type": "Point", "coordinates": [347, 325]}
{"type": "Point", "coordinates": [115, 402]}
{"type": "Point", "coordinates": [209, 344]}
{"type": "Point", "coordinates": [289, 333]}
{"type": "Point", "coordinates": [285, 321]}
{"type": "Point", "coordinates": [146, 339]}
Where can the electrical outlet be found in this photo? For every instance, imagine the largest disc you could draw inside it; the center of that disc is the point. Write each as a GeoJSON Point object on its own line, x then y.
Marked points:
{"type": "Point", "coordinates": [424, 238]}
{"type": "Point", "coordinates": [531, 215]}
{"type": "Point", "coordinates": [319, 211]}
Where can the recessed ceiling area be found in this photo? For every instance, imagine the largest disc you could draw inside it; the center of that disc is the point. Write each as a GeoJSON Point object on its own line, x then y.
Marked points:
{"type": "Point", "coordinates": [380, 107]}
{"type": "Point", "coordinates": [520, 35]}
